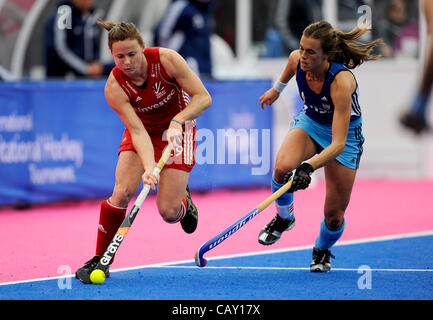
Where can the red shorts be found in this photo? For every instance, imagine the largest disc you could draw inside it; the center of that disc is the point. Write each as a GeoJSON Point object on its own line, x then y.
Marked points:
{"type": "Point", "coordinates": [182, 159]}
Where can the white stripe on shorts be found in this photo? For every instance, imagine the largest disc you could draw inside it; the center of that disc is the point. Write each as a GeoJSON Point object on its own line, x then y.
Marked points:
{"type": "Point", "coordinates": [188, 147]}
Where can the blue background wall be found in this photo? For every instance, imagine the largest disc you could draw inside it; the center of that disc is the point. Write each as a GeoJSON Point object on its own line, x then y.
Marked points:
{"type": "Point", "coordinates": [59, 140]}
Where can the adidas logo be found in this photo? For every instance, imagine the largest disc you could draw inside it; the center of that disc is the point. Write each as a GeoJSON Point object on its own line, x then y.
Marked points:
{"type": "Point", "coordinates": [138, 99]}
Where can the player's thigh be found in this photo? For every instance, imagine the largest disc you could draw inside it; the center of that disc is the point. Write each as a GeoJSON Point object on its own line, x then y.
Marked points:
{"type": "Point", "coordinates": [297, 146]}
{"type": "Point", "coordinates": [171, 188]}
{"type": "Point", "coordinates": [129, 171]}
{"type": "Point", "coordinates": [339, 184]}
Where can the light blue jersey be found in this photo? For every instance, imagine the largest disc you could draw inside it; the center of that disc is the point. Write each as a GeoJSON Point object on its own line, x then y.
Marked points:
{"type": "Point", "coordinates": [316, 118]}
{"type": "Point", "coordinates": [320, 107]}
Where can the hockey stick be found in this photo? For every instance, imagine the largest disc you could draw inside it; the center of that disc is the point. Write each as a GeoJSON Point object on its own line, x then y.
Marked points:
{"type": "Point", "coordinates": [129, 219]}
{"type": "Point", "coordinates": [212, 243]}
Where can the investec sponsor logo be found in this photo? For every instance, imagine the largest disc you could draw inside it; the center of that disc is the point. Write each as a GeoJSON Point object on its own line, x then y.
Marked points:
{"type": "Point", "coordinates": [160, 104]}
{"type": "Point", "coordinates": [112, 248]}
{"type": "Point", "coordinates": [234, 229]}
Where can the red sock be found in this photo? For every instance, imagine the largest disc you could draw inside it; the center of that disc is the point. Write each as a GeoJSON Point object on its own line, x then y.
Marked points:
{"type": "Point", "coordinates": [110, 219]}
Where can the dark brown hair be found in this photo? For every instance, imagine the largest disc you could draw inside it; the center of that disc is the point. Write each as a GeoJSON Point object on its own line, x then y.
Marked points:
{"type": "Point", "coordinates": [343, 47]}
{"type": "Point", "coordinates": [121, 31]}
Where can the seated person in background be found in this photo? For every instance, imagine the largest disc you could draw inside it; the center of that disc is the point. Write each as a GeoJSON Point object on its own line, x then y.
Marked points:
{"type": "Point", "coordinates": [186, 28]}
{"type": "Point", "coordinates": [73, 47]}
{"type": "Point", "coordinates": [398, 30]}
{"type": "Point", "coordinates": [293, 16]}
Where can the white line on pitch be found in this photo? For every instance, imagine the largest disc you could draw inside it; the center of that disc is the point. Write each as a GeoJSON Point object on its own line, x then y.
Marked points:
{"type": "Point", "coordinates": [290, 268]}
{"type": "Point", "coordinates": [342, 243]}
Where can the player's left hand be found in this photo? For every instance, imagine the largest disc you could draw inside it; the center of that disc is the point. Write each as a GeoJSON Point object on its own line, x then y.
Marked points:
{"type": "Point", "coordinates": [150, 178]}
{"type": "Point", "coordinates": [302, 177]}
{"type": "Point", "coordinates": [268, 98]}
{"type": "Point", "coordinates": [175, 135]}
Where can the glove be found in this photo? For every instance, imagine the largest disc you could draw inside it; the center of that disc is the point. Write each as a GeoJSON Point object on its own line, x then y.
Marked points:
{"type": "Point", "coordinates": [302, 177]}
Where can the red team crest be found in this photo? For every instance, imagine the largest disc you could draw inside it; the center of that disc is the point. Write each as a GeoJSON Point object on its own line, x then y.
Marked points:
{"type": "Point", "coordinates": [158, 89]}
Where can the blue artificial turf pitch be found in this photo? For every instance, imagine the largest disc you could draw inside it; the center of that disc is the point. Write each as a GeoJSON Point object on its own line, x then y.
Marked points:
{"type": "Point", "coordinates": [399, 269]}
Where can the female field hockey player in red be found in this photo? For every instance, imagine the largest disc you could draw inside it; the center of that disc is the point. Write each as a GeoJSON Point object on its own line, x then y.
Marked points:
{"type": "Point", "coordinates": [327, 133]}
{"type": "Point", "coordinates": [150, 90]}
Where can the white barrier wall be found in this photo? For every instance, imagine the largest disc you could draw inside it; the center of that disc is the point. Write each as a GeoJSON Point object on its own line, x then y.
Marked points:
{"type": "Point", "coordinates": [391, 151]}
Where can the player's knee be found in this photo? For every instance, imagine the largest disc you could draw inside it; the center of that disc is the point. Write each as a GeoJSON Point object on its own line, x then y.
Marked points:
{"type": "Point", "coordinates": [281, 173]}
{"type": "Point", "coordinates": [121, 196]}
{"type": "Point", "coordinates": [169, 214]}
{"type": "Point", "coordinates": [334, 220]}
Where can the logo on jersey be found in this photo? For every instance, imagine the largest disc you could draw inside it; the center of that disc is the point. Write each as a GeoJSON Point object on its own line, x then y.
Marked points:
{"type": "Point", "coordinates": [160, 104]}
{"type": "Point", "coordinates": [325, 104]}
{"type": "Point", "coordinates": [153, 73]}
{"type": "Point", "coordinates": [159, 89]}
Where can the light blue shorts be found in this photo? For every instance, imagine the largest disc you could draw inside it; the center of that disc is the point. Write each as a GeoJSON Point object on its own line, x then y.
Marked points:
{"type": "Point", "coordinates": [322, 135]}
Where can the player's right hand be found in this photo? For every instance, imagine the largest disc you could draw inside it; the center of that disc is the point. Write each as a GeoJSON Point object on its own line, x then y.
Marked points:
{"type": "Point", "coordinates": [268, 97]}
{"type": "Point", "coordinates": [302, 177]}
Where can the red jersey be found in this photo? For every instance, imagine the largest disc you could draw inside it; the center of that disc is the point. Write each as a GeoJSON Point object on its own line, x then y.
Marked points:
{"type": "Point", "coordinates": [156, 103]}
{"type": "Point", "coordinates": [159, 99]}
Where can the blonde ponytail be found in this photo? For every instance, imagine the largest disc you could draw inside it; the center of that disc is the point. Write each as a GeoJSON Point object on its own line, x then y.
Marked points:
{"type": "Point", "coordinates": [343, 47]}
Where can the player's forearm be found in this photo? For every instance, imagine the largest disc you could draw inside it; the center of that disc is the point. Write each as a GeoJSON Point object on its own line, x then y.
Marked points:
{"type": "Point", "coordinates": [328, 154]}
{"type": "Point", "coordinates": [143, 146]}
{"type": "Point", "coordinates": [197, 105]}
{"type": "Point", "coordinates": [287, 73]}
{"type": "Point", "coordinates": [339, 138]}
{"type": "Point", "coordinates": [290, 69]}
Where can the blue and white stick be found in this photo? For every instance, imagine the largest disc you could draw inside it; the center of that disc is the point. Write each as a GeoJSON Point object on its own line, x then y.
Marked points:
{"type": "Point", "coordinates": [212, 243]}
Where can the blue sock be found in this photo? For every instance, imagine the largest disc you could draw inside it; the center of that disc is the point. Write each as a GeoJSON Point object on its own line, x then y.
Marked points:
{"type": "Point", "coordinates": [284, 203]}
{"type": "Point", "coordinates": [327, 238]}
{"type": "Point", "coordinates": [419, 105]}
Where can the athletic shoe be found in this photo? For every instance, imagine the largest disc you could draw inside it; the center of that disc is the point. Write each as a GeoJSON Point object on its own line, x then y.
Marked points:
{"type": "Point", "coordinates": [189, 222]}
{"type": "Point", "coordinates": [83, 274]}
{"type": "Point", "coordinates": [321, 260]}
{"type": "Point", "coordinates": [413, 122]}
{"type": "Point", "coordinates": [273, 230]}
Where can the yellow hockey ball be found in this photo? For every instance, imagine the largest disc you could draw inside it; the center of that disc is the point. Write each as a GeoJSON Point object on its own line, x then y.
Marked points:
{"type": "Point", "coordinates": [97, 276]}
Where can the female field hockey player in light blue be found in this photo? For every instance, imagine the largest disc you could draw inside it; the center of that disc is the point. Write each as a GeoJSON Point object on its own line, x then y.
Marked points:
{"type": "Point", "coordinates": [327, 133]}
